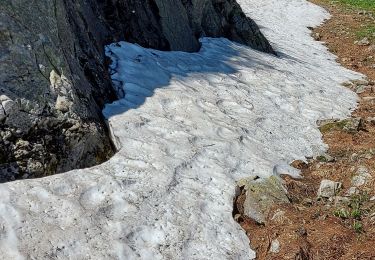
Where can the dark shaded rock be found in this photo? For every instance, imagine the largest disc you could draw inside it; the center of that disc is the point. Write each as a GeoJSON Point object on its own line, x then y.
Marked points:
{"type": "Point", "coordinates": [178, 24]}
{"type": "Point", "coordinates": [53, 75]}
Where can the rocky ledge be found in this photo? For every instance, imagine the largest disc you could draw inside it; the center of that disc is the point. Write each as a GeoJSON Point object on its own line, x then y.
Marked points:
{"type": "Point", "coordinates": [53, 75]}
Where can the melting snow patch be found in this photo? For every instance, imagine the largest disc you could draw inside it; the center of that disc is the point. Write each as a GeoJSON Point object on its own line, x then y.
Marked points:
{"type": "Point", "coordinates": [188, 127]}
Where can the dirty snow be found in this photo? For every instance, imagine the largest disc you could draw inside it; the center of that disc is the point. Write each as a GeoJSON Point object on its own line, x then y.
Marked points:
{"type": "Point", "coordinates": [189, 127]}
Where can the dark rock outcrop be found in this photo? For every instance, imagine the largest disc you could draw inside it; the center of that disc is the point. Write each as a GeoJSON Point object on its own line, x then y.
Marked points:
{"type": "Point", "coordinates": [53, 84]}
{"type": "Point", "coordinates": [178, 24]}
{"type": "Point", "coordinates": [53, 76]}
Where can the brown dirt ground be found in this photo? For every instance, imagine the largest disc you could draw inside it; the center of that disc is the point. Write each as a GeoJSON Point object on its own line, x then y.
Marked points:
{"type": "Point", "coordinates": [308, 228]}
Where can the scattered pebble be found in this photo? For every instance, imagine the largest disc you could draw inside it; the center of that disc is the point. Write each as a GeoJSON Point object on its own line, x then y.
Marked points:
{"type": "Point", "coordinates": [363, 82]}
{"type": "Point", "coordinates": [352, 191]}
{"type": "Point", "coordinates": [279, 217]}
{"type": "Point", "coordinates": [325, 158]}
{"type": "Point", "coordinates": [364, 42]}
{"type": "Point", "coordinates": [302, 231]}
{"type": "Point", "coordinates": [371, 48]}
{"type": "Point", "coordinates": [368, 98]}
{"type": "Point", "coordinates": [361, 177]}
{"type": "Point", "coordinates": [328, 188]}
{"type": "Point", "coordinates": [317, 37]}
{"type": "Point", "coordinates": [354, 157]}
{"type": "Point", "coordinates": [341, 201]}
{"type": "Point", "coordinates": [275, 246]}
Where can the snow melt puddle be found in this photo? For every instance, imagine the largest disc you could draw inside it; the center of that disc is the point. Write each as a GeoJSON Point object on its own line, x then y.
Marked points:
{"type": "Point", "coordinates": [189, 127]}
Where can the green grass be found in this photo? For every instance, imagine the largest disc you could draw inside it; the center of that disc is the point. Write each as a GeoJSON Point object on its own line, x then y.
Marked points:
{"type": "Point", "coordinates": [357, 226]}
{"type": "Point", "coordinates": [341, 213]}
{"type": "Point", "coordinates": [360, 4]}
{"type": "Point", "coordinates": [367, 31]}
{"type": "Point", "coordinates": [354, 212]}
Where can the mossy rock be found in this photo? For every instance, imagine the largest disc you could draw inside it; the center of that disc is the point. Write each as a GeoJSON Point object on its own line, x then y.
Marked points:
{"type": "Point", "coordinates": [350, 125]}
{"type": "Point", "coordinates": [261, 195]}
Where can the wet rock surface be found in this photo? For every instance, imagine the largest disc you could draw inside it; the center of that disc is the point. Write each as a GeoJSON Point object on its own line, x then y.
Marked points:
{"type": "Point", "coordinates": [53, 75]}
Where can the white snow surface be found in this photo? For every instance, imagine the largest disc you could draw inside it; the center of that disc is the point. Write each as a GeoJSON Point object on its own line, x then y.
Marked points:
{"type": "Point", "coordinates": [189, 127]}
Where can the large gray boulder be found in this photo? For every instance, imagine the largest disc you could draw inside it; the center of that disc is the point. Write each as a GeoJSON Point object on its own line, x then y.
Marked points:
{"type": "Point", "coordinates": [53, 71]}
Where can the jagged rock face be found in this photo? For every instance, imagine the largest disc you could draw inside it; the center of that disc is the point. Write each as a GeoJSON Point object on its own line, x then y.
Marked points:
{"type": "Point", "coordinates": [54, 84]}
{"type": "Point", "coordinates": [53, 76]}
{"type": "Point", "coordinates": [178, 24]}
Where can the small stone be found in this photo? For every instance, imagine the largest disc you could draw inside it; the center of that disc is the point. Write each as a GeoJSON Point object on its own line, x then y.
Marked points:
{"type": "Point", "coordinates": [328, 188]}
{"type": "Point", "coordinates": [42, 68]}
{"type": "Point", "coordinates": [325, 158]}
{"type": "Point", "coordinates": [371, 120]}
{"type": "Point", "coordinates": [279, 216]}
{"type": "Point", "coordinates": [284, 169]}
{"type": "Point", "coordinates": [4, 98]}
{"type": "Point", "coordinates": [358, 180]}
{"type": "Point", "coordinates": [364, 42]}
{"type": "Point", "coordinates": [298, 164]}
{"type": "Point", "coordinates": [307, 202]}
{"type": "Point", "coordinates": [340, 201]}
{"type": "Point", "coordinates": [360, 89]}
{"type": "Point", "coordinates": [9, 106]}
{"type": "Point", "coordinates": [301, 208]}
{"type": "Point", "coordinates": [318, 165]}
{"type": "Point", "coordinates": [354, 157]}
{"type": "Point", "coordinates": [368, 98]}
{"type": "Point", "coordinates": [237, 217]}
{"type": "Point", "coordinates": [346, 83]}
{"type": "Point", "coordinates": [358, 82]}
{"type": "Point", "coordinates": [372, 198]}
{"type": "Point", "coordinates": [352, 124]}
{"type": "Point", "coordinates": [352, 191]}
{"type": "Point", "coordinates": [275, 246]}
{"type": "Point", "coordinates": [302, 231]}
{"type": "Point", "coordinates": [362, 170]}
{"type": "Point", "coordinates": [368, 156]}
{"type": "Point", "coordinates": [317, 37]}
{"type": "Point", "coordinates": [371, 48]}
{"type": "Point", "coordinates": [361, 177]}
{"type": "Point", "coordinates": [372, 219]}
